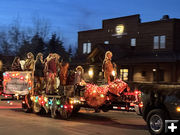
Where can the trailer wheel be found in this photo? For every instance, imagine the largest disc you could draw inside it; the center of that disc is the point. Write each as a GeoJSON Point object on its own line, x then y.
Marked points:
{"type": "Point", "coordinates": [54, 109]}
{"type": "Point", "coordinates": [65, 114]}
{"type": "Point", "coordinates": [26, 109]}
{"type": "Point", "coordinates": [36, 108]}
{"type": "Point", "coordinates": [76, 109]}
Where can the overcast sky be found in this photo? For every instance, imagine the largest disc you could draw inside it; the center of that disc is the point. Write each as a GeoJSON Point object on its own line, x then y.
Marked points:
{"type": "Point", "coordinates": [70, 16]}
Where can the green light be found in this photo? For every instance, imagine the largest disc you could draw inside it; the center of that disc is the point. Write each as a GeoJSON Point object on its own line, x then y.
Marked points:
{"type": "Point", "coordinates": [58, 102]}
{"type": "Point", "coordinates": [36, 100]}
{"type": "Point", "coordinates": [102, 95]}
{"type": "Point", "coordinates": [46, 104]}
{"type": "Point", "coordinates": [61, 106]}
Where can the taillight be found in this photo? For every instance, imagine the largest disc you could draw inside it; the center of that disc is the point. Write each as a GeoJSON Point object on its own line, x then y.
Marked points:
{"type": "Point", "coordinates": [141, 105]}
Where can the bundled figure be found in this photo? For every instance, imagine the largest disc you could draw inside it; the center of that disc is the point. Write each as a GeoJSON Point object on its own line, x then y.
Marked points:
{"type": "Point", "coordinates": [79, 79]}
{"type": "Point", "coordinates": [29, 63]}
{"type": "Point", "coordinates": [16, 66]}
{"type": "Point", "coordinates": [64, 73]}
{"type": "Point", "coordinates": [51, 70]}
{"type": "Point", "coordinates": [39, 73]}
{"type": "Point", "coordinates": [107, 67]}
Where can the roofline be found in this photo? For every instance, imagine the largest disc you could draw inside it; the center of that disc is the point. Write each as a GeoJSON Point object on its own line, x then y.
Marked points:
{"type": "Point", "coordinates": [136, 15]}
{"type": "Point", "coordinates": [92, 30]}
{"type": "Point", "coordinates": [159, 21]}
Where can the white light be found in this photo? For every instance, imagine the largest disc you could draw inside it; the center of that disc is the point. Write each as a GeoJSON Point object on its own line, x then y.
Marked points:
{"type": "Point", "coordinates": [113, 73]}
{"type": "Point", "coordinates": [90, 72]}
{"type": "Point", "coordinates": [154, 70]}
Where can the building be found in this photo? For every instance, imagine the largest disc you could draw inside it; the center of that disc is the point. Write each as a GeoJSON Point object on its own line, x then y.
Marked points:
{"type": "Point", "coordinates": [143, 52]}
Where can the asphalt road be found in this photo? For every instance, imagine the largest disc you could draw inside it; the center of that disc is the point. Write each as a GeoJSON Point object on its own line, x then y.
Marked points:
{"type": "Point", "coordinates": [13, 121]}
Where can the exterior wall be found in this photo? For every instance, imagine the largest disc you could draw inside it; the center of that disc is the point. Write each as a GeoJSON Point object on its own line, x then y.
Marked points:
{"type": "Point", "coordinates": [138, 74]}
{"type": "Point", "coordinates": [178, 73]}
{"type": "Point", "coordinates": [106, 34]}
{"type": "Point", "coordinates": [147, 31]}
{"type": "Point", "coordinates": [177, 36]}
{"type": "Point", "coordinates": [148, 71]}
{"type": "Point", "coordinates": [144, 34]}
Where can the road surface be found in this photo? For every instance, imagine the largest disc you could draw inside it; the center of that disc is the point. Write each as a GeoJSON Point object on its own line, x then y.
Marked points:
{"type": "Point", "coordinates": [13, 121]}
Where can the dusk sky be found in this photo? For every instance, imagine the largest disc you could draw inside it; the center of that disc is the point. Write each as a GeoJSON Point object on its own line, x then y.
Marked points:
{"type": "Point", "coordinates": [70, 16]}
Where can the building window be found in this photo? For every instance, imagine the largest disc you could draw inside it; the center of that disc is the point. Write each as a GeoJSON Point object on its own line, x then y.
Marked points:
{"type": "Point", "coordinates": [162, 42]}
{"type": "Point", "coordinates": [106, 42]}
{"type": "Point", "coordinates": [124, 74]}
{"type": "Point", "coordinates": [159, 42]}
{"type": "Point", "coordinates": [133, 41]}
{"type": "Point", "coordinates": [86, 48]}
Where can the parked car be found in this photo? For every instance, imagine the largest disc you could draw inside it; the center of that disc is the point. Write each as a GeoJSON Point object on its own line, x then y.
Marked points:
{"type": "Point", "coordinates": [160, 102]}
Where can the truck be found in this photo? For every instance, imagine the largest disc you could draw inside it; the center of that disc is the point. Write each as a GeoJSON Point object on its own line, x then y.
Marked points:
{"type": "Point", "coordinates": [159, 102]}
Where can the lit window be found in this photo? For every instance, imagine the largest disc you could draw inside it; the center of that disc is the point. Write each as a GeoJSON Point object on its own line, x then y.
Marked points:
{"type": "Point", "coordinates": [124, 74]}
{"type": "Point", "coordinates": [156, 42]}
{"type": "Point", "coordinates": [106, 42]}
{"type": "Point", "coordinates": [86, 48]}
{"type": "Point", "coordinates": [162, 42]}
{"type": "Point", "coordinates": [159, 42]}
{"type": "Point", "coordinates": [133, 41]}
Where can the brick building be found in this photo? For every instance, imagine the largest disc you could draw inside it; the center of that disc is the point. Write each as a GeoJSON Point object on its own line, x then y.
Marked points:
{"type": "Point", "coordinates": [143, 52]}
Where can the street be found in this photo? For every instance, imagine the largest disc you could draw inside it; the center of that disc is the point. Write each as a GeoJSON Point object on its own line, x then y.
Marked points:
{"type": "Point", "coordinates": [13, 121]}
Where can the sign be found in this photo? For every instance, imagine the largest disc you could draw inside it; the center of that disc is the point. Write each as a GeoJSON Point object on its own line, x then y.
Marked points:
{"type": "Point", "coordinates": [15, 82]}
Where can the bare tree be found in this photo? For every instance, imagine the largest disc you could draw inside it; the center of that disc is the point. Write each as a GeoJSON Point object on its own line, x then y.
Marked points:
{"type": "Point", "coordinates": [41, 26]}
{"type": "Point", "coordinates": [15, 34]}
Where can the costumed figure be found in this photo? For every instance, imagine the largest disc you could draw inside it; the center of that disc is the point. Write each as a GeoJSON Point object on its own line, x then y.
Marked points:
{"type": "Point", "coordinates": [51, 73]}
{"type": "Point", "coordinates": [16, 66]}
{"type": "Point", "coordinates": [79, 79]}
{"type": "Point", "coordinates": [107, 67]}
{"type": "Point", "coordinates": [64, 73]}
{"type": "Point", "coordinates": [29, 63]}
{"type": "Point", "coordinates": [39, 73]}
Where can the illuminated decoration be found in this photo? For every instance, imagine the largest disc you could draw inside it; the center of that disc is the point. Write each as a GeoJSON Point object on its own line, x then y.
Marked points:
{"type": "Point", "coordinates": [96, 96]}
{"type": "Point", "coordinates": [58, 102]}
{"type": "Point", "coordinates": [178, 109]}
{"type": "Point", "coordinates": [45, 99]}
{"type": "Point", "coordinates": [116, 87]}
{"type": "Point", "coordinates": [91, 73]}
{"type": "Point", "coordinates": [21, 78]}
{"type": "Point", "coordinates": [119, 29]}
{"type": "Point", "coordinates": [93, 95]}
{"type": "Point", "coordinates": [17, 82]}
{"type": "Point", "coordinates": [65, 106]}
{"type": "Point", "coordinates": [61, 106]}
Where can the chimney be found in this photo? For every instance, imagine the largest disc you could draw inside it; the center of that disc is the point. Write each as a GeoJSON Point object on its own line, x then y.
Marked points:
{"type": "Point", "coordinates": [165, 17]}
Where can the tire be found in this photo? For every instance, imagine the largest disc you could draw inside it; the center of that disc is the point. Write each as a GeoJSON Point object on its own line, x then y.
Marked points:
{"type": "Point", "coordinates": [53, 110]}
{"type": "Point", "coordinates": [36, 108]}
{"type": "Point", "coordinates": [65, 114]}
{"type": "Point", "coordinates": [26, 109]}
{"type": "Point", "coordinates": [156, 121]}
{"type": "Point", "coordinates": [76, 109]}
